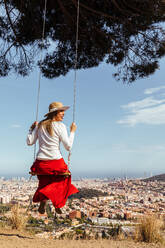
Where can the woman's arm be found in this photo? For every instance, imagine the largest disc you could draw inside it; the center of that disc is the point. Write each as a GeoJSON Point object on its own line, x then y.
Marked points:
{"type": "Point", "coordinates": [33, 134]}
{"type": "Point", "coordinates": [67, 140]}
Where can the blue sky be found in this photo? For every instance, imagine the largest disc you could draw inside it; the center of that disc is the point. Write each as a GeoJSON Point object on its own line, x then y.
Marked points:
{"type": "Point", "coordinates": [120, 127]}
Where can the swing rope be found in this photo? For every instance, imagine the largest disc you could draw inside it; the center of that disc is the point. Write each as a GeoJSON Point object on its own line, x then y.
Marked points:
{"type": "Point", "coordinates": [39, 77]}
{"type": "Point", "coordinates": [76, 60]}
{"type": "Point", "coordinates": [75, 70]}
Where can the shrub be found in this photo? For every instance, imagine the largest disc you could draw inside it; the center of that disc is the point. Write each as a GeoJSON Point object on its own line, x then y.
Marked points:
{"type": "Point", "coordinates": [4, 208]}
{"type": "Point", "coordinates": [149, 230]}
{"type": "Point", "coordinates": [114, 231]}
{"type": "Point", "coordinates": [34, 222]}
{"type": "Point", "coordinates": [17, 220]}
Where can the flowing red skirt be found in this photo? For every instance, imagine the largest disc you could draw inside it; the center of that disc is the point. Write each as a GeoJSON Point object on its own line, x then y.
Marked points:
{"type": "Point", "coordinates": [51, 186]}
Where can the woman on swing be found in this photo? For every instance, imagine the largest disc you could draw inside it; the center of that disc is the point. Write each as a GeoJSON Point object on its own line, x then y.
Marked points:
{"type": "Point", "coordinates": [49, 166]}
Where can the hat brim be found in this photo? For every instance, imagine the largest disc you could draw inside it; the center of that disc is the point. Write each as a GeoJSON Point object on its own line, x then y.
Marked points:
{"type": "Point", "coordinates": [58, 109]}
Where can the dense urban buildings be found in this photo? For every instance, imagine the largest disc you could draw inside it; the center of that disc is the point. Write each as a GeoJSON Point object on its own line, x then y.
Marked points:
{"type": "Point", "coordinates": [101, 202]}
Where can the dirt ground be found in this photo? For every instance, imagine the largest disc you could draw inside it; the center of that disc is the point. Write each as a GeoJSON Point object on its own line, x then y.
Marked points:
{"type": "Point", "coordinates": [16, 239]}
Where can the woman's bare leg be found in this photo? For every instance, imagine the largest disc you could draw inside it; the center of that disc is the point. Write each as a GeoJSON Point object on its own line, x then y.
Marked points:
{"type": "Point", "coordinates": [41, 208]}
{"type": "Point", "coordinates": [58, 210]}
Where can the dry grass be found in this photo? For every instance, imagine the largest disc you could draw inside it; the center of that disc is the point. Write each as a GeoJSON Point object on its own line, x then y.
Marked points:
{"type": "Point", "coordinates": [17, 220]}
{"type": "Point", "coordinates": [121, 236]}
{"type": "Point", "coordinates": [149, 230]}
{"type": "Point", "coordinates": [19, 239]}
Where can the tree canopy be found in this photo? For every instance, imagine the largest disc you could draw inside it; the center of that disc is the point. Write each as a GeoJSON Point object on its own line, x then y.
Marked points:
{"type": "Point", "coordinates": [127, 34]}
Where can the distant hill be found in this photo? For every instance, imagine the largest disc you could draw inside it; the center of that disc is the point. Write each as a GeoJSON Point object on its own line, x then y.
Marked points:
{"type": "Point", "coordinates": [88, 193]}
{"type": "Point", "coordinates": [160, 177]}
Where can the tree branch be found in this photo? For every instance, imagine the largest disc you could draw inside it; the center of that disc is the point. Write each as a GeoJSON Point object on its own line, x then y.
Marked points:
{"type": "Point", "coordinates": [11, 24]}
{"type": "Point", "coordinates": [96, 11]}
{"type": "Point", "coordinates": [65, 11]}
{"type": "Point", "coordinates": [4, 55]}
{"type": "Point", "coordinates": [134, 8]}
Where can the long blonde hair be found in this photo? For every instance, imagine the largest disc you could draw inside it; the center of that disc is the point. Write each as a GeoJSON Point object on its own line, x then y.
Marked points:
{"type": "Point", "coordinates": [47, 123]}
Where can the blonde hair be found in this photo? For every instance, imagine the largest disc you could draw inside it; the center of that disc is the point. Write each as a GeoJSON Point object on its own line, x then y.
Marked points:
{"type": "Point", "coordinates": [47, 123]}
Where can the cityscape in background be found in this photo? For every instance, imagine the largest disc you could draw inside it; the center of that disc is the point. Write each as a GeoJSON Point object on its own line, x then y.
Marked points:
{"type": "Point", "coordinates": [100, 207]}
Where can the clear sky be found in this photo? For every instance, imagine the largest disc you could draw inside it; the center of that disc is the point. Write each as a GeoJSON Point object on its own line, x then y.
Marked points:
{"type": "Point", "coordinates": [120, 127]}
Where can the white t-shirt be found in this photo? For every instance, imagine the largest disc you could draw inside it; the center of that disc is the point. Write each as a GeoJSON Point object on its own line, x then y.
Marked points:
{"type": "Point", "coordinates": [49, 146]}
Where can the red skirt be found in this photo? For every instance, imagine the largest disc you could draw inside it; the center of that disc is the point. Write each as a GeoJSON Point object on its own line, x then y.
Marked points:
{"type": "Point", "coordinates": [51, 186]}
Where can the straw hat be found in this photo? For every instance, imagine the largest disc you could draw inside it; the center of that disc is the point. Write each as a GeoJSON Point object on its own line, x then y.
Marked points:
{"type": "Point", "coordinates": [55, 106]}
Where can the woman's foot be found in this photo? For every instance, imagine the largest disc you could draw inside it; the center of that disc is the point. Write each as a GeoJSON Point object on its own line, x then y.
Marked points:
{"type": "Point", "coordinates": [41, 208]}
{"type": "Point", "coordinates": [58, 211]}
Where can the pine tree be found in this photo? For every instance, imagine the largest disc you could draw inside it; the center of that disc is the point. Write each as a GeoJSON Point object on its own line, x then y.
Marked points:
{"type": "Point", "coordinates": [125, 33]}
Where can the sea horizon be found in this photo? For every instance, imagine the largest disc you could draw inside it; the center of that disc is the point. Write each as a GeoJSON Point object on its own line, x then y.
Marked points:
{"type": "Point", "coordinates": [80, 176]}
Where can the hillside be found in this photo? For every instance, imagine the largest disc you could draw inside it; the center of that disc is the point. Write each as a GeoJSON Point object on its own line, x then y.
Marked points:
{"type": "Point", "coordinates": [88, 193]}
{"type": "Point", "coordinates": [160, 177]}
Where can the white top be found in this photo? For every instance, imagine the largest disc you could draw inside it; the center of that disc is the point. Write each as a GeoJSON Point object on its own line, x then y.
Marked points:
{"type": "Point", "coordinates": [49, 146]}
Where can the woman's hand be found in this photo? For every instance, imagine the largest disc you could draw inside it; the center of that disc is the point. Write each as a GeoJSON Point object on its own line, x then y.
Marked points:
{"type": "Point", "coordinates": [73, 127]}
{"type": "Point", "coordinates": [33, 125]}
